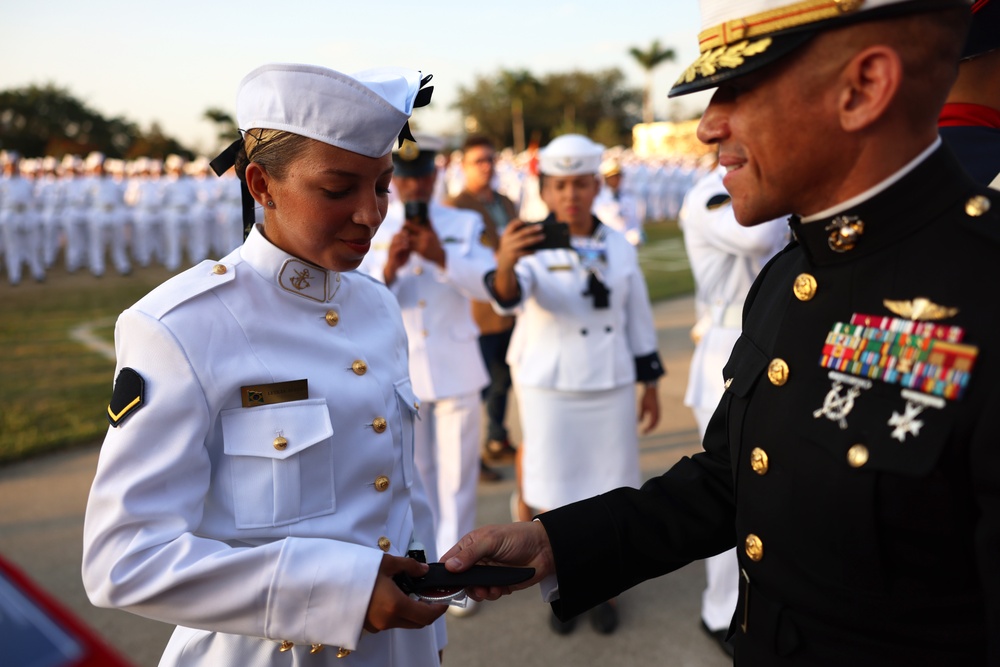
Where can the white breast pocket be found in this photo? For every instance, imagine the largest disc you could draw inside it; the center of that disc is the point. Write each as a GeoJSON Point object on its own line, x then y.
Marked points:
{"type": "Point", "coordinates": [281, 460]}
{"type": "Point", "coordinates": [408, 407]}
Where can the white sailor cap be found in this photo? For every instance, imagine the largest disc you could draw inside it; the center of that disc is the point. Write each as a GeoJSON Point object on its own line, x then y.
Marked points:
{"type": "Point", "coordinates": [95, 159]}
{"type": "Point", "coordinates": [362, 112]}
{"type": "Point", "coordinates": [570, 155]}
{"type": "Point", "coordinates": [174, 162]}
{"type": "Point", "coordinates": [740, 36]}
{"type": "Point", "coordinates": [610, 167]}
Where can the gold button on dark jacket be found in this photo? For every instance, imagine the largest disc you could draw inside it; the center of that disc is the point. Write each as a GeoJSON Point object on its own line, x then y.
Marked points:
{"type": "Point", "coordinates": [359, 367]}
{"type": "Point", "coordinates": [384, 544]}
{"type": "Point", "coordinates": [857, 456]}
{"type": "Point", "coordinates": [758, 461]}
{"type": "Point", "coordinates": [754, 547]}
{"type": "Point", "coordinates": [280, 443]}
{"type": "Point", "coordinates": [381, 483]}
{"type": "Point", "coordinates": [777, 372]}
{"type": "Point", "coordinates": [804, 287]}
{"type": "Point", "coordinates": [977, 206]}
{"type": "Point", "coordinates": [379, 424]}
{"type": "Point", "coordinates": [332, 318]}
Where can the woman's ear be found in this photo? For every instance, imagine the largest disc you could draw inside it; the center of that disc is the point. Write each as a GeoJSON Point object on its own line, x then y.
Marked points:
{"type": "Point", "coordinates": [257, 183]}
{"type": "Point", "coordinates": [871, 81]}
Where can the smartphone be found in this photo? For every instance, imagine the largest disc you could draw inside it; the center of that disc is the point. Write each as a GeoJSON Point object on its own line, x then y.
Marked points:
{"type": "Point", "coordinates": [556, 236]}
{"type": "Point", "coordinates": [416, 211]}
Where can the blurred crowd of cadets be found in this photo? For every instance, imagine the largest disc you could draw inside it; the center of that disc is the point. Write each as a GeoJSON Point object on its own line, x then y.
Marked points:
{"type": "Point", "coordinates": [85, 211]}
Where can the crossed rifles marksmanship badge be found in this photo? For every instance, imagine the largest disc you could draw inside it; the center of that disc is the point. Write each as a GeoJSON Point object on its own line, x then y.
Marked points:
{"type": "Point", "coordinates": [926, 359]}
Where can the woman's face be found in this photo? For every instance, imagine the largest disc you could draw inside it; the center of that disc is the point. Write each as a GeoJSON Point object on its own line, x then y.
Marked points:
{"type": "Point", "coordinates": [328, 205]}
{"type": "Point", "coordinates": [570, 198]}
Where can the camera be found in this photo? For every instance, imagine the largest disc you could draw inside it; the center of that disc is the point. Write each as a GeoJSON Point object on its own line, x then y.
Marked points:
{"type": "Point", "coordinates": [416, 211]}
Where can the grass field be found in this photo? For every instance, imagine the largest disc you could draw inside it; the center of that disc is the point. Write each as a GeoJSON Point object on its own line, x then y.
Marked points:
{"type": "Point", "coordinates": [54, 389]}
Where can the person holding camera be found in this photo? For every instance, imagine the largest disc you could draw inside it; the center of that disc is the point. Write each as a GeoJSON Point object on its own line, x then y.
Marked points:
{"type": "Point", "coordinates": [433, 259]}
{"type": "Point", "coordinates": [584, 336]}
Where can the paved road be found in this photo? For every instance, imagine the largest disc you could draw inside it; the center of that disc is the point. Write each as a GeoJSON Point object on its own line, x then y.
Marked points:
{"type": "Point", "coordinates": [42, 522]}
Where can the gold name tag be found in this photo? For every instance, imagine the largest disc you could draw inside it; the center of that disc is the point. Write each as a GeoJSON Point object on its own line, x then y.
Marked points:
{"type": "Point", "coordinates": [279, 392]}
{"type": "Point", "coordinates": [560, 267]}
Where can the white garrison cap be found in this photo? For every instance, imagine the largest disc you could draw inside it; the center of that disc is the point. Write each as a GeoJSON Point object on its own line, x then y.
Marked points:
{"type": "Point", "coordinates": [570, 155]}
{"type": "Point", "coordinates": [739, 36]}
{"type": "Point", "coordinates": [362, 112]}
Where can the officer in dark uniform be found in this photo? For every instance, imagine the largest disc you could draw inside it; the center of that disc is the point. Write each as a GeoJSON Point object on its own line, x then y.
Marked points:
{"type": "Point", "coordinates": [853, 460]}
{"type": "Point", "coordinates": [970, 120]}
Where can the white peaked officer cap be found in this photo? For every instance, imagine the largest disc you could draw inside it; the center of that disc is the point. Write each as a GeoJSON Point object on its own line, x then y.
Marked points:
{"type": "Point", "coordinates": [362, 112]}
{"type": "Point", "coordinates": [570, 155]}
{"type": "Point", "coordinates": [740, 36]}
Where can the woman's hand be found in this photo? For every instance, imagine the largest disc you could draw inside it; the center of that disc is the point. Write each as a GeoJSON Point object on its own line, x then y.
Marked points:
{"type": "Point", "coordinates": [649, 408]}
{"type": "Point", "coordinates": [515, 243]}
{"type": "Point", "coordinates": [389, 607]}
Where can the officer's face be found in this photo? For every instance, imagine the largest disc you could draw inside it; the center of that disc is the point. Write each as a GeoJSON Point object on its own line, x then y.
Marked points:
{"type": "Point", "coordinates": [570, 198]}
{"type": "Point", "coordinates": [328, 205]}
{"type": "Point", "coordinates": [777, 137]}
{"type": "Point", "coordinates": [415, 188]}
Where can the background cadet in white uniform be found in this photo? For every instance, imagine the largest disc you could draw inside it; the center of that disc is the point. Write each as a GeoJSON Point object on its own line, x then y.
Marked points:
{"type": "Point", "coordinates": [178, 198]}
{"type": "Point", "coordinates": [20, 226]}
{"type": "Point", "coordinates": [584, 335]}
{"type": "Point", "coordinates": [434, 270]}
{"type": "Point", "coordinates": [615, 206]}
{"type": "Point", "coordinates": [257, 485]}
{"type": "Point", "coordinates": [725, 259]}
{"type": "Point", "coordinates": [105, 219]}
{"type": "Point", "coordinates": [50, 195]}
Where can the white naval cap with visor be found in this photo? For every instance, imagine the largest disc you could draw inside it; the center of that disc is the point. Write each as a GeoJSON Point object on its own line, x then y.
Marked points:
{"type": "Point", "coordinates": [365, 112]}
{"type": "Point", "coordinates": [570, 155]}
{"type": "Point", "coordinates": [740, 36]}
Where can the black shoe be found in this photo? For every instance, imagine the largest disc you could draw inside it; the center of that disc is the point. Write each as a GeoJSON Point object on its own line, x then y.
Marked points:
{"type": "Point", "coordinates": [604, 618]}
{"type": "Point", "coordinates": [719, 637]}
{"type": "Point", "coordinates": [500, 451]}
{"type": "Point", "coordinates": [561, 627]}
{"type": "Point", "coordinates": [488, 474]}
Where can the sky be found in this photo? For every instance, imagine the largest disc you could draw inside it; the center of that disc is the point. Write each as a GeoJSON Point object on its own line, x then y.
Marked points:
{"type": "Point", "coordinates": [170, 61]}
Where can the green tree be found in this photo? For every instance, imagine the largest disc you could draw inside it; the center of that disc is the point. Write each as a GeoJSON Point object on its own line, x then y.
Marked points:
{"type": "Point", "coordinates": [227, 130]}
{"type": "Point", "coordinates": [49, 120]}
{"type": "Point", "coordinates": [649, 60]}
{"type": "Point", "coordinates": [550, 105]}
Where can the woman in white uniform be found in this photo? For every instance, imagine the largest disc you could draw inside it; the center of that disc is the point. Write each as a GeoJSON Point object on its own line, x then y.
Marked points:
{"type": "Point", "coordinates": [256, 486]}
{"type": "Point", "coordinates": [584, 336]}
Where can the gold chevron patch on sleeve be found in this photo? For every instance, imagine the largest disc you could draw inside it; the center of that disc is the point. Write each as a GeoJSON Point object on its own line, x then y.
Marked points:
{"type": "Point", "coordinates": [127, 397]}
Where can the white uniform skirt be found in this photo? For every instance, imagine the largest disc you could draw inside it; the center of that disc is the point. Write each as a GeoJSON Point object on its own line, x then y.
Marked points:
{"type": "Point", "coordinates": [576, 444]}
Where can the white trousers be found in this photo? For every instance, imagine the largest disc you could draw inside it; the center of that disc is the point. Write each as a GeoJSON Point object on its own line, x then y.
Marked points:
{"type": "Point", "coordinates": [446, 452]}
{"type": "Point", "coordinates": [722, 572]}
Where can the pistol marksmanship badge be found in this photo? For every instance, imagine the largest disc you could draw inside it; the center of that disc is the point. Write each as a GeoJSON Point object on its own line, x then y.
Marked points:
{"type": "Point", "coordinates": [927, 360]}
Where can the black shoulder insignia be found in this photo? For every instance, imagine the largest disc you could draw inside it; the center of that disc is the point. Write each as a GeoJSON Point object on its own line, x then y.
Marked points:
{"type": "Point", "coordinates": [127, 396]}
{"type": "Point", "coordinates": [717, 201]}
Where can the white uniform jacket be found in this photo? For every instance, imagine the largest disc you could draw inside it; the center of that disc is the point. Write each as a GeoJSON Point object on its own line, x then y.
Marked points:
{"type": "Point", "coordinates": [445, 359]}
{"type": "Point", "coordinates": [725, 260]}
{"type": "Point", "coordinates": [267, 522]}
{"type": "Point", "coordinates": [561, 341]}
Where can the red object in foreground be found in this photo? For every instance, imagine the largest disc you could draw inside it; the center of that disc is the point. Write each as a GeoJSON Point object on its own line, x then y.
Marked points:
{"type": "Point", "coordinates": [38, 631]}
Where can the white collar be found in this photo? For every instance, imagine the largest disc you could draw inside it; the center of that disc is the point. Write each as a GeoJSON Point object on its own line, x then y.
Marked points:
{"type": "Point", "coordinates": [287, 272]}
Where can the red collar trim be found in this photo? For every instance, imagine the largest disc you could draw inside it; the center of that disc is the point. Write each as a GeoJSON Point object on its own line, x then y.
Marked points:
{"type": "Point", "coordinates": [957, 114]}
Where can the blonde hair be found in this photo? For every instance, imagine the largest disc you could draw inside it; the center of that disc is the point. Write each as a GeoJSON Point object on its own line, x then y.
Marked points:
{"type": "Point", "coordinates": [271, 149]}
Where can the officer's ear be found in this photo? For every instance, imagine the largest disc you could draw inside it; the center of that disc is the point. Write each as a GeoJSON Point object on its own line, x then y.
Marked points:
{"type": "Point", "coordinates": [870, 84]}
{"type": "Point", "coordinates": [258, 181]}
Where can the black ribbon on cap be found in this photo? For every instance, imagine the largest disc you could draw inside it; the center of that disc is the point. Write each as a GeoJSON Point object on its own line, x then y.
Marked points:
{"type": "Point", "coordinates": [422, 99]}
{"type": "Point", "coordinates": [220, 165]}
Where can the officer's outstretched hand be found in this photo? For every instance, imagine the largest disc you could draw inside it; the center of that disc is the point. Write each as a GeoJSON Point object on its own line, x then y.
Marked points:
{"type": "Point", "coordinates": [524, 544]}
{"type": "Point", "coordinates": [389, 607]}
{"type": "Point", "coordinates": [516, 242]}
{"type": "Point", "coordinates": [649, 408]}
